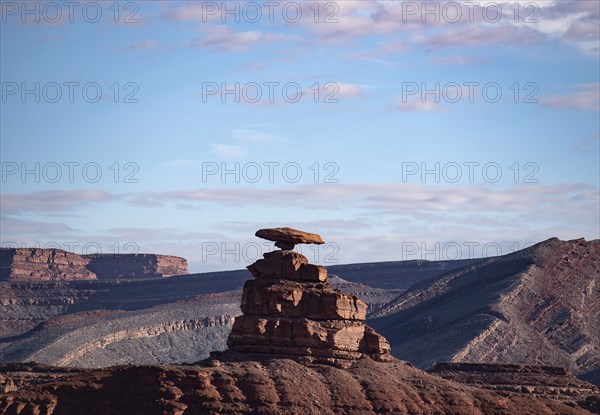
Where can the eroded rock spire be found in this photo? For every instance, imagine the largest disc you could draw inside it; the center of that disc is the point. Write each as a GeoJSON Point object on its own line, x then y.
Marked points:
{"type": "Point", "coordinates": [290, 308]}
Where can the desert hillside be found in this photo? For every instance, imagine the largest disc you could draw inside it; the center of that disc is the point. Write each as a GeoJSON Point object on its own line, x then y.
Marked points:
{"type": "Point", "coordinates": [540, 305]}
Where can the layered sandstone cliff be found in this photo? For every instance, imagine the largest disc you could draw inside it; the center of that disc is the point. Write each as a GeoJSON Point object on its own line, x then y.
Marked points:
{"type": "Point", "coordinates": [43, 264]}
{"type": "Point", "coordinates": [111, 266]}
{"type": "Point", "coordinates": [24, 264]}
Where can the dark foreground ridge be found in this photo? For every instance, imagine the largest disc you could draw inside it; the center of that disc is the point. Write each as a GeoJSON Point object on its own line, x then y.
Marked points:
{"type": "Point", "coordinates": [243, 384]}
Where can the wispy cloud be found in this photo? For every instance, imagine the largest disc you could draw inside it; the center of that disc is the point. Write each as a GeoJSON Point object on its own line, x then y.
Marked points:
{"type": "Point", "coordinates": [50, 38]}
{"type": "Point", "coordinates": [471, 26]}
{"type": "Point", "coordinates": [575, 22]}
{"type": "Point", "coordinates": [585, 98]}
{"type": "Point", "coordinates": [397, 197]}
{"type": "Point", "coordinates": [192, 11]}
{"type": "Point", "coordinates": [243, 138]}
{"type": "Point", "coordinates": [456, 60]}
{"type": "Point", "coordinates": [589, 144]}
{"type": "Point", "coordinates": [418, 106]}
{"type": "Point", "coordinates": [384, 49]}
{"type": "Point", "coordinates": [53, 200]}
{"type": "Point", "coordinates": [386, 214]}
{"type": "Point", "coordinates": [349, 90]}
{"type": "Point", "coordinates": [147, 44]}
{"type": "Point", "coordinates": [393, 197]}
{"type": "Point", "coordinates": [228, 151]}
{"type": "Point", "coordinates": [481, 36]}
{"type": "Point", "coordinates": [224, 39]}
{"type": "Point", "coordinates": [12, 226]}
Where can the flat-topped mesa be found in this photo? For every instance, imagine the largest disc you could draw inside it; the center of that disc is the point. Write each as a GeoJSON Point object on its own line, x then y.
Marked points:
{"type": "Point", "coordinates": [286, 238]}
{"type": "Point", "coordinates": [290, 309]}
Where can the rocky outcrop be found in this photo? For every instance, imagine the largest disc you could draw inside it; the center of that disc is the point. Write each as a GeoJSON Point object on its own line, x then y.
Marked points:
{"type": "Point", "coordinates": [264, 385]}
{"type": "Point", "coordinates": [25, 264]}
{"type": "Point", "coordinates": [43, 264]}
{"type": "Point", "coordinates": [547, 381]}
{"type": "Point", "coordinates": [290, 309]}
{"type": "Point", "coordinates": [286, 238]}
{"type": "Point", "coordinates": [112, 266]}
{"type": "Point", "coordinates": [535, 306]}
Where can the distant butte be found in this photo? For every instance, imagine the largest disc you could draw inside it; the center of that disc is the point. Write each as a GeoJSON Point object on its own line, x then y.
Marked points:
{"type": "Point", "coordinates": [286, 238]}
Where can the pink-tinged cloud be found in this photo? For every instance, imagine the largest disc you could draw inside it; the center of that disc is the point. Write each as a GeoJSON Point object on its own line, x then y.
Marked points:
{"type": "Point", "coordinates": [350, 90]}
{"type": "Point", "coordinates": [387, 215]}
{"type": "Point", "coordinates": [343, 21]}
{"type": "Point", "coordinates": [528, 203]}
{"type": "Point", "coordinates": [398, 197]}
{"type": "Point", "coordinates": [482, 36]}
{"type": "Point", "coordinates": [584, 31]}
{"type": "Point", "coordinates": [383, 49]}
{"type": "Point", "coordinates": [418, 106]}
{"type": "Point", "coordinates": [332, 91]}
{"type": "Point", "coordinates": [585, 98]}
{"type": "Point", "coordinates": [224, 39]}
{"type": "Point", "coordinates": [199, 11]}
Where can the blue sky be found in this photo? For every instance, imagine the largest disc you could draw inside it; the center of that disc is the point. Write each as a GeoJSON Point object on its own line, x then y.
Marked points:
{"type": "Point", "coordinates": [395, 129]}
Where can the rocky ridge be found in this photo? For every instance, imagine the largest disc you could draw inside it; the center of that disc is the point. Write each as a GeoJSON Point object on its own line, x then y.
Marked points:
{"type": "Point", "coordinates": [535, 306]}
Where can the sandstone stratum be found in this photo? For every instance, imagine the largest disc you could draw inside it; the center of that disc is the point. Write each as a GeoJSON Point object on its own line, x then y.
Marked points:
{"type": "Point", "coordinates": [300, 347]}
{"type": "Point", "coordinates": [24, 264]}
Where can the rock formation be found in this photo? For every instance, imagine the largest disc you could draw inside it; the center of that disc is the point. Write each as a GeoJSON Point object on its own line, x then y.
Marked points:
{"type": "Point", "coordinates": [111, 266]}
{"type": "Point", "coordinates": [286, 238]}
{"type": "Point", "coordinates": [43, 264]}
{"type": "Point", "coordinates": [26, 264]}
{"type": "Point", "coordinates": [290, 308]}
